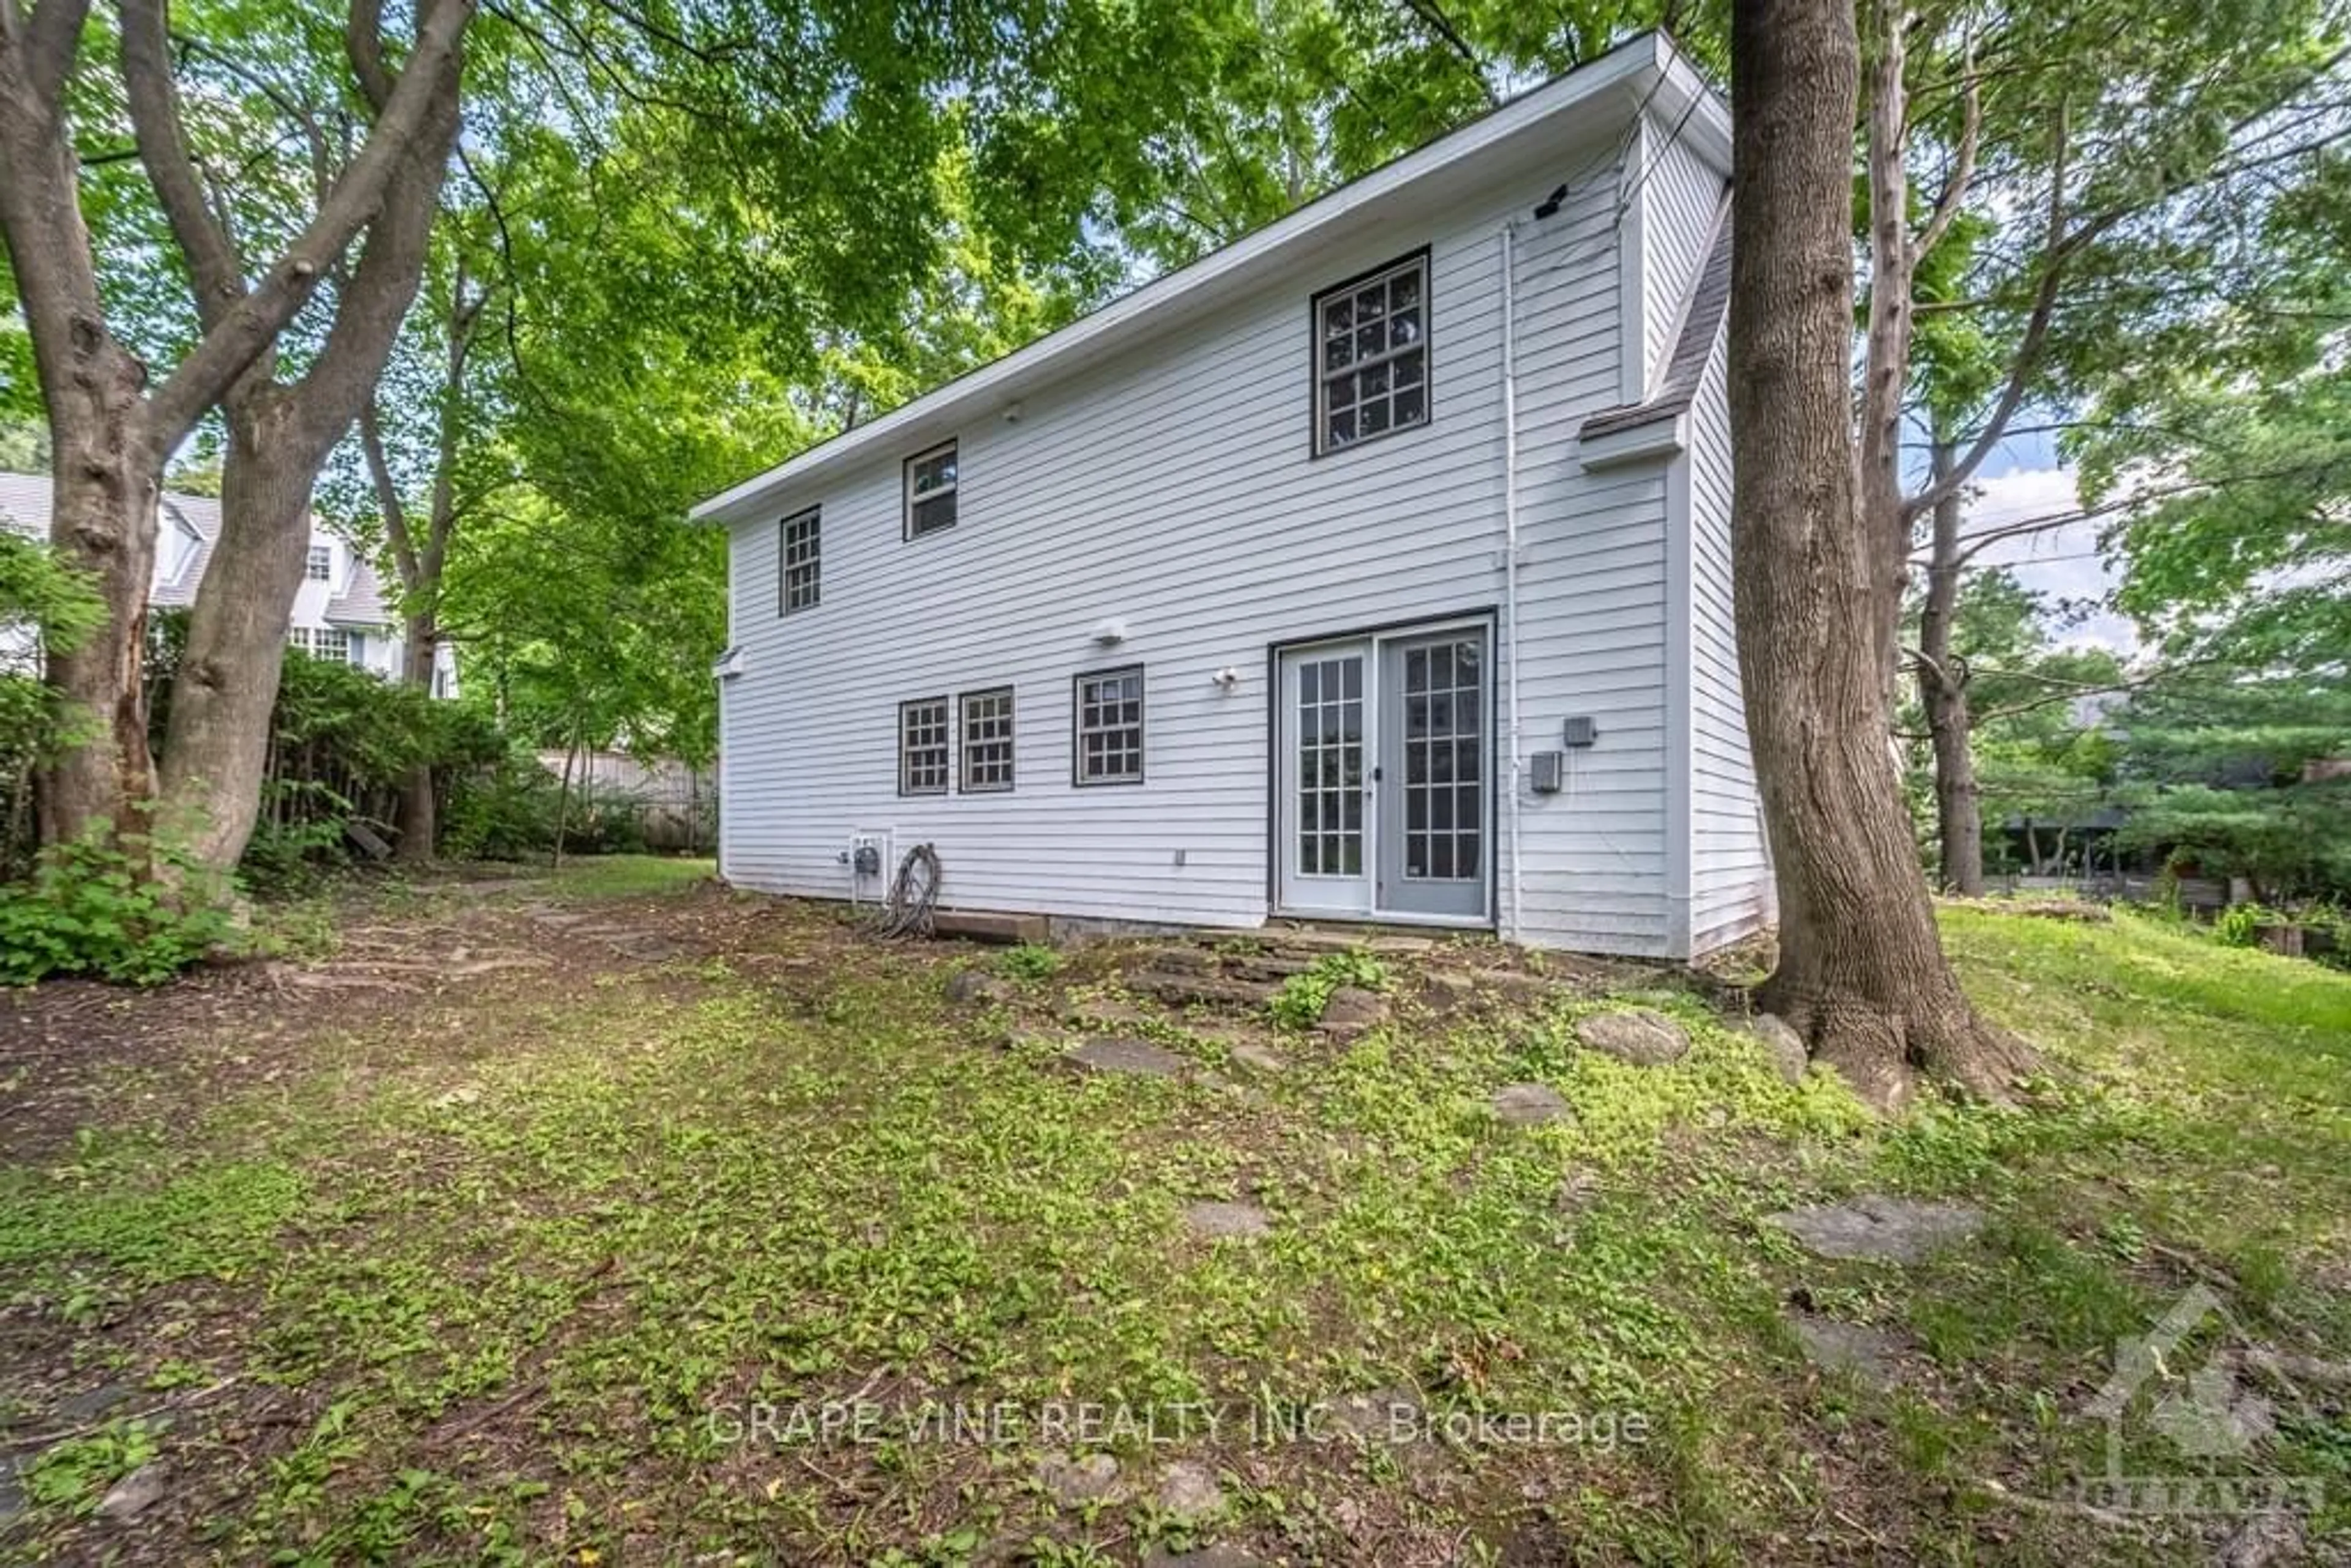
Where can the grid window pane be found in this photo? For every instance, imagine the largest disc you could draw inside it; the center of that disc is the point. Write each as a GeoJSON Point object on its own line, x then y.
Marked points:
{"type": "Point", "coordinates": [801, 552]}
{"type": "Point", "coordinates": [1110, 726]}
{"type": "Point", "coordinates": [923, 747]}
{"type": "Point", "coordinates": [1444, 834]}
{"type": "Point", "coordinates": [319, 567]}
{"type": "Point", "coordinates": [987, 739]}
{"type": "Point", "coordinates": [1330, 798]}
{"type": "Point", "coordinates": [1373, 359]}
{"type": "Point", "coordinates": [931, 480]}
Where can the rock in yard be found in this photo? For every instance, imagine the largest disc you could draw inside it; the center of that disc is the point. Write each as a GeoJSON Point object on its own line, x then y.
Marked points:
{"type": "Point", "coordinates": [1107, 1010]}
{"type": "Point", "coordinates": [1518, 988]}
{"type": "Point", "coordinates": [1782, 1044]}
{"type": "Point", "coordinates": [1073, 1484]}
{"type": "Point", "coordinates": [1138, 1057]}
{"type": "Point", "coordinates": [1529, 1104]}
{"type": "Point", "coordinates": [1199, 990]}
{"type": "Point", "coordinates": [133, 1495]}
{"type": "Point", "coordinates": [1201, 1557]}
{"type": "Point", "coordinates": [95, 1402]}
{"type": "Point", "coordinates": [1874, 1226]}
{"type": "Point", "coordinates": [1351, 1010]}
{"type": "Point", "coordinates": [1378, 1415]}
{"type": "Point", "coordinates": [1189, 1490]}
{"type": "Point", "coordinates": [969, 988]}
{"type": "Point", "coordinates": [1242, 1219]}
{"type": "Point", "coordinates": [2267, 1540]}
{"type": "Point", "coordinates": [1869, 1354]}
{"type": "Point", "coordinates": [1642, 1038]}
{"type": "Point", "coordinates": [1258, 1058]}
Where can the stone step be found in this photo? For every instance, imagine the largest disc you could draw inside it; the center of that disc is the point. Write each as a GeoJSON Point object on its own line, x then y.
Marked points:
{"type": "Point", "coordinates": [989, 925]}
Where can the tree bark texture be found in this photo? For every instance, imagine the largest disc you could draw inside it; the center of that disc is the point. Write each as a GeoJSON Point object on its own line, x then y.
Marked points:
{"type": "Point", "coordinates": [1862, 974]}
{"type": "Point", "coordinates": [1942, 676]}
{"type": "Point", "coordinates": [216, 746]}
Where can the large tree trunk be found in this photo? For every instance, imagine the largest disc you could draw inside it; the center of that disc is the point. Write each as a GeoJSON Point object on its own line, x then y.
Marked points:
{"type": "Point", "coordinates": [280, 436]}
{"type": "Point", "coordinates": [103, 495]}
{"type": "Point", "coordinates": [1862, 974]}
{"type": "Point", "coordinates": [1943, 695]}
{"type": "Point", "coordinates": [216, 742]}
{"type": "Point", "coordinates": [418, 827]}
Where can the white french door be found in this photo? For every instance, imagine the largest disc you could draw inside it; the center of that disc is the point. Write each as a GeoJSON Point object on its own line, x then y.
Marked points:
{"type": "Point", "coordinates": [1382, 790]}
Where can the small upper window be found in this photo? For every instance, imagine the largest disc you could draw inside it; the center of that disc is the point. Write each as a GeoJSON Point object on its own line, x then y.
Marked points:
{"type": "Point", "coordinates": [320, 566]}
{"type": "Point", "coordinates": [1109, 728]}
{"type": "Point", "coordinates": [800, 557]}
{"type": "Point", "coordinates": [987, 739]}
{"type": "Point", "coordinates": [931, 491]}
{"type": "Point", "coordinates": [923, 747]}
{"type": "Point", "coordinates": [1370, 349]}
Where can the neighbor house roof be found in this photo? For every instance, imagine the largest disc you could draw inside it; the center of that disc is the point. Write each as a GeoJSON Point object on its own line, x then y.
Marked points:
{"type": "Point", "coordinates": [24, 509]}
{"type": "Point", "coordinates": [1648, 70]}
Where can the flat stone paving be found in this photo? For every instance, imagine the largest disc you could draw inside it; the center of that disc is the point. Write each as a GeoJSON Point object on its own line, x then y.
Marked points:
{"type": "Point", "coordinates": [1878, 1227]}
{"type": "Point", "coordinates": [1138, 1057]}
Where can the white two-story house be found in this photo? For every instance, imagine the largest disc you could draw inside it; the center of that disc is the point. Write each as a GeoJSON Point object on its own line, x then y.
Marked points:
{"type": "Point", "coordinates": [340, 613]}
{"type": "Point", "coordinates": [1374, 568]}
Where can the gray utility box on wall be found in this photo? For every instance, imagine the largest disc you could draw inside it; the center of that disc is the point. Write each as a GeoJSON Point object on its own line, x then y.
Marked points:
{"type": "Point", "coordinates": [1547, 772]}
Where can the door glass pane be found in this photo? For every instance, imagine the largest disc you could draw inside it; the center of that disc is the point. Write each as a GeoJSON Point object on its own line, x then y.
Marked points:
{"type": "Point", "coordinates": [1443, 814]}
{"type": "Point", "coordinates": [1330, 731]}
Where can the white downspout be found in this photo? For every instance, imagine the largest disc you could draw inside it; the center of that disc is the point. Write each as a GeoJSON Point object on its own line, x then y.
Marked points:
{"type": "Point", "coordinates": [1510, 540]}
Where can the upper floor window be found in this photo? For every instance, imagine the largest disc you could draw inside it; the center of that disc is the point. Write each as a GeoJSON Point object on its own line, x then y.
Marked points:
{"type": "Point", "coordinates": [931, 491]}
{"type": "Point", "coordinates": [987, 739]}
{"type": "Point", "coordinates": [320, 566]}
{"type": "Point", "coordinates": [1370, 349]}
{"type": "Point", "coordinates": [1109, 728]}
{"type": "Point", "coordinates": [800, 553]}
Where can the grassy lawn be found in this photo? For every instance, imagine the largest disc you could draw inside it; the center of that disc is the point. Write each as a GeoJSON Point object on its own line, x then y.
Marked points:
{"type": "Point", "coordinates": [489, 1240]}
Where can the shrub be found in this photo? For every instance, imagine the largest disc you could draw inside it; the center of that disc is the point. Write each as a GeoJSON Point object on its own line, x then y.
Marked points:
{"type": "Point", "coordinates": [1029, 961]}
{"type": "Point", "coordinates": [87, 910]}
{"type": "Point", "coordinates": [1300, 1001]}
{"type": "Point", "coordinates": [2239, 925]}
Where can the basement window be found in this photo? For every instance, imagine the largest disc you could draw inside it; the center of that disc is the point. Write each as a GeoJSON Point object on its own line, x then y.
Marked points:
{"type": "Point", "coordinates": [1109, 728]}
{"type": "Point", "coordinates": [800, 551]}
{"type": "Point", "coordinates": [923, 747]}
{"type": "Point", "coordinates": [987, 740]}
{"type": "Point", "coordinates": [1370, 355]}
{"type": "Point", "coordinates": [931, 491]}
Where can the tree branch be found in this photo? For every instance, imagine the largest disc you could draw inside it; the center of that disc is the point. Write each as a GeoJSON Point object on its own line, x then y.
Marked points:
{"type": "Point", "coordinates": [156, 124]}
{"type": "Point", "coordinates": [1948, 205]}
{"type": "Point", "coordinates": [50, 42]}
{"type": "Point", "coordinates": [387, 494]}
{"type": "Point", "coordinates": [248, 328]}
{"type": "Point", "coordinates": [2059, 250]}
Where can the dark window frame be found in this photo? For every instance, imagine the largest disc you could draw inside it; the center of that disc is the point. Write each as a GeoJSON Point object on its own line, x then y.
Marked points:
{"type": "Point", "coordinates": [964, 741]}
{"type": "Point", "coordinates": [813, 518]}
{"type": "Point", "coordinates": [1078, 731]}
{"type": "Point", "coordinates": [946, 746]}
{"type": "Point", "coordinates": [953, 492]}
{"type": "Point", "coordinates": [1317, 430]}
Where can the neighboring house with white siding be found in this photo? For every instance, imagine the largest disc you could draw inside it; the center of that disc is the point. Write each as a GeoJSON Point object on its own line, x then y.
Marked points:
{"type": "Point", "coordinates": [1375, 567]}
{"type": "Point", "coordinates": [340, 612]}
